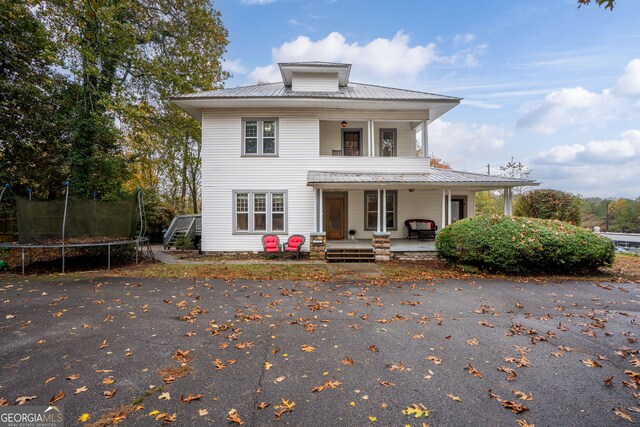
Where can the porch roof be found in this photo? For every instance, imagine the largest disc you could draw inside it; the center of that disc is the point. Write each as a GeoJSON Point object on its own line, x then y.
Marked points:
{"type": "Point", "coordinates": [433, 178]}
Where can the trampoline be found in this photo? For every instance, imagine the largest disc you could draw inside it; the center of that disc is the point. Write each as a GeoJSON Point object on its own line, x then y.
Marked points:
{"type": "Point", "coordinates": [73, 223]}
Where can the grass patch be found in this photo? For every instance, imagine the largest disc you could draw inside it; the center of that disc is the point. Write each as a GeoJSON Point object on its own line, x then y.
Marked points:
{"type": "Point", "coordinates": [297, 271]}
{"type": "Point", "coordinates": [625, 269]}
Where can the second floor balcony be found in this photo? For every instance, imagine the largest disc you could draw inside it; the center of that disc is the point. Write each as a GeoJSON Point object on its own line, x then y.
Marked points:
{"type": "Point", "coordinates": [372, 138]}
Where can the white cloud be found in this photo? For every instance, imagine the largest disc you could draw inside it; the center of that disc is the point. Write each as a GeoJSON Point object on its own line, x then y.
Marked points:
{"type": "Point", "coordinates": [233, 66]}
{"type": "Point", "coordinates": [382, 59]}
{"type": "Point", "coordinates": [596, 152]}
{"type": "Point", "coordinates": [481, 104]}
{"type": "Point", "coordinates": [568, 106]}
{"type": "Point", "coordinates": [458, 142]}
{"type": "Point", "coordinates": [579, 106]}
{"type": "Point", "coordinates": [629, 81]}
{"type": "Point", "coordinates": [459, 39]}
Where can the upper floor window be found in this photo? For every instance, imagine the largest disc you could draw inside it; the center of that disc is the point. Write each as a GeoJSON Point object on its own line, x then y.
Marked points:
{"type": "Point", "coordinates": [388, 145]}
{"type": "Point", "coordinates": [260, 137]}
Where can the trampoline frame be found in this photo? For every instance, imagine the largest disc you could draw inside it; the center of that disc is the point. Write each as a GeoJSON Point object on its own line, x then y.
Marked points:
{"type": "Point", "coordinates": [139, 242]}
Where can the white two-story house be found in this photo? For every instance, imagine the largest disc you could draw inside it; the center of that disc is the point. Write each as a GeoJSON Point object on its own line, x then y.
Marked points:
{"type": "Point", "coordinates": [318, 155]}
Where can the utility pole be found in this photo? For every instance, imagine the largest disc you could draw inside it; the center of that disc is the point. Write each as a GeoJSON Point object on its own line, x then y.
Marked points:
{"type": "Point", "coordinates": [488, 169]}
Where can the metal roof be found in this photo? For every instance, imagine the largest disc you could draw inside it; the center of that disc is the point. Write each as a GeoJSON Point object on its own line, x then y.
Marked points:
{"type": "Point", "coordinates": [352, 91]}
{"type": "Point", "coordinates": [433, 176]}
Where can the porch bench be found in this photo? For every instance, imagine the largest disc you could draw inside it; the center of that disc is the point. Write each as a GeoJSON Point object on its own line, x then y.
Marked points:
{"type": "Point", "coordinates": [421, 228]}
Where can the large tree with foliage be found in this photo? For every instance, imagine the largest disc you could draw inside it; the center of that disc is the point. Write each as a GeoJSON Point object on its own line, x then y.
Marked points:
{"type": "Point", "coordinates": [550, 204]}
{"type": "Point", "coordinates": [85, 87]}
{"type": "Point", "coordinates": [36, 105]}
{"type": "Point", "coordinates": [128, 53]}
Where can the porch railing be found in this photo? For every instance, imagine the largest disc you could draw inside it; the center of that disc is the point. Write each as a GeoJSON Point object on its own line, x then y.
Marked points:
{"type": "Point", "coordinates": [183, 225]}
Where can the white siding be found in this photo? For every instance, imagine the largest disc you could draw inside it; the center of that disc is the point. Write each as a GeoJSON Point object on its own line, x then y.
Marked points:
{"type": "Point", "coordinates": [225, 170]}
{"type": "Point", "coordinates": [301, 82]}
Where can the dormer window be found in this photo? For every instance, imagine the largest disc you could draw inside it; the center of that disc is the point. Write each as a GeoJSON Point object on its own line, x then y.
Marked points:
{"type": "Point", "coordinates": [259, 137]}
{"type": "Point", "coordinates": [315, 76]}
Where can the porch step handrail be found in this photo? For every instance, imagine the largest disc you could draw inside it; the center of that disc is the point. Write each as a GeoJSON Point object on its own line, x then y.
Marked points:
{"type": "Point", "coordinates": [191, 225]}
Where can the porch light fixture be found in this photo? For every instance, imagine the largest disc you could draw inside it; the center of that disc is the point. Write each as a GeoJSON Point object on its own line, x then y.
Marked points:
{"type": "Point", "coordinates": [411, 190]}
{"type": "Point", "coordinates": [344, 124]}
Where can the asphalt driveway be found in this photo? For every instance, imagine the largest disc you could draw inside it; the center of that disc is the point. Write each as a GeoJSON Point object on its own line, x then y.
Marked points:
{"type": "Point", "coordinates": [132, 349]}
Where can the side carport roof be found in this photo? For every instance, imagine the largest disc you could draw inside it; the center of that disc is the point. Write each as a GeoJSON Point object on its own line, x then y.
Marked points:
{"type": "Point", "coordinates": [434, 178]}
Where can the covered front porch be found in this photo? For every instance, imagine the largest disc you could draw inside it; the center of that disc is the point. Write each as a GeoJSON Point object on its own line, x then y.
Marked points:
{"type": "Point", "coordinates": [359, 211]}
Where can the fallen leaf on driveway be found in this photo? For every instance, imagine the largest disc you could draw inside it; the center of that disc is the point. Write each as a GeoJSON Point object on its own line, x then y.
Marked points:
{"type": "Point", "coordinates": [473, 371]}
{"type": "Point", "coordinates": [165, 396]}
{"type": "Point", "coordinates": [73, 377]}
{"type": "Point", "coordinates": [347, 361]}
{"type": "Point", "coordinates": [417, 411]}
{"type": "Point", "coordinates": [57, 397]}
{"type": "Point", "coordinates": [622, 414]}
{"type": "Point", "coordinates": [308, 348]}
{"type": "Point", "coordinates": [191, 398]}
{"type": "Point", "coordinates": [387, 384]}
{"type": "Point", "coordinates": [522, 395]}
{"type": "Point", "coordinates": [473, 341]}
{"type": "Point", "coordinates": [108, 394]}
{"type": "Point", "coordinates": [21, 400]}
{"type": "Point", "coordinates": [81, 390]}
{"type": "Point", "coordinates": [454, 398]}
{"type": "Point", "coordinates": [591, 363]}
{"type": "Point", "coordinates": [84, 417]}
{"type": "Point", "coordinates": [326, 385]}
{"type": "Point", "coordinates": [434, 359]}
{"type": "Point", "coordinates": [524, 423]}
{"type": "Point", "coordinates": [202, 412]}
{"type": "Point", "coordinates": [104, 344]}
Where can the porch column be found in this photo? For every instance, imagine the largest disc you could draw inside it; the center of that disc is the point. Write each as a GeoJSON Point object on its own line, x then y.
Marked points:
{"type": "Point", "coordinates": [320, 212]}
{"type": "Point", "coordinates": [378, 228]}
{"type": "Point", "coordinates": [444, 201]}
{"type": "Point", "coordinates": [370, 138]}
{"type": "Point", "coordinates": [449, 207]}
{"type": "Point", "coordinates": [384, 210]}
{"type": "Point", "coordinates": [507, 202]}
{"type": "Point", "coordinates": [425, 139]}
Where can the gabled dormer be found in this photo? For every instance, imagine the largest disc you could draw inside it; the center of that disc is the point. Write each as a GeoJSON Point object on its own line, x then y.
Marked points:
{"type": "Point", "coordinates": [315, 76]}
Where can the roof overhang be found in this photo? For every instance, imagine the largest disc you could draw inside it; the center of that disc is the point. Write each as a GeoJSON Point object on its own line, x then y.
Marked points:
{"type": "Point", "coordinates": [195, 105]}
{"type": "Point", "coordinates": [431, 180]}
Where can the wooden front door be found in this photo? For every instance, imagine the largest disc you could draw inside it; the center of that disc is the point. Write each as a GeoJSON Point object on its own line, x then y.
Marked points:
{"type": "Point", "coordinates": [351, 143]}
{"type": "Point", "coordinates": [334, 216]}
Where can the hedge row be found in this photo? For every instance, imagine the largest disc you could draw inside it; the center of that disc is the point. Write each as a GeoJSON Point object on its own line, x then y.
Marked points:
{"type": "Point", "coordinates": [523, 245]}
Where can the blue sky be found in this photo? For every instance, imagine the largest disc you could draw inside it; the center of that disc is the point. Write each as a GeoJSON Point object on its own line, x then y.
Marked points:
{"type": "Point", "coordinates": [554, 86]}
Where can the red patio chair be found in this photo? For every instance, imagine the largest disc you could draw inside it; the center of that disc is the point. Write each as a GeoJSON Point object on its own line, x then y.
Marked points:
{"type": "Point", "coordinates": [294, 244]}
{"type": "Point", "coordinates": [271, 244]}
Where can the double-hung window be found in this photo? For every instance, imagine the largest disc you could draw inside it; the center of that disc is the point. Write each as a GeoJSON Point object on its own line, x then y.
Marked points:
{"type": "Point", "coordinates": [371, 210]}
{"type": "Point", "coordinates": [260, 212]}
{"type": "Point", "coordinates": [259, 137]}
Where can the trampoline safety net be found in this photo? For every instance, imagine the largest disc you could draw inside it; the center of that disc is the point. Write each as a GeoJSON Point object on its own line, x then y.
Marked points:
{"type": "Point", "coordinates": [87, 220]}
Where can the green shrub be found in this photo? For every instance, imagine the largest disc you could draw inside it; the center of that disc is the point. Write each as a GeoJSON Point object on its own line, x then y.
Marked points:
{"type": "Point", "coordinates": [549, 204]}
{"type": "Point", "coordinates": [185, 243]}
{"type": "Point", "coordinates": [523, 245]}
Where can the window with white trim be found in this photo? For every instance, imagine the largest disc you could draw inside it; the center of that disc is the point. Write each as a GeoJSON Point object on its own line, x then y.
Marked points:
{"type": "Point", "coordinates": [371, 210]}
{"type": "Point", "coordinates": [260, 212]}
{"type": "Point", "coordinates": [260, 137]}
